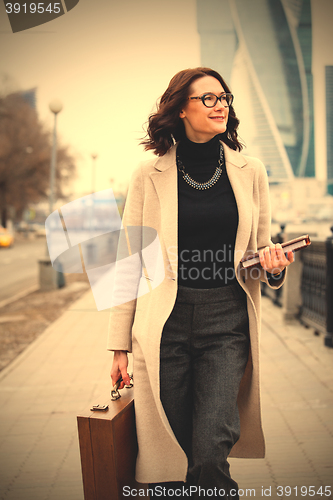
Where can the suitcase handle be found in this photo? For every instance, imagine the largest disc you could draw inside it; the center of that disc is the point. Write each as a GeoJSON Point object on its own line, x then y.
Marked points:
{"type": "Point", "coordinates": [115, 394]}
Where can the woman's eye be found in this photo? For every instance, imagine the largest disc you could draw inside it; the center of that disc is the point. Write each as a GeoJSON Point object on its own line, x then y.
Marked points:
{"type": "Point", "coordinates": [209, 98]}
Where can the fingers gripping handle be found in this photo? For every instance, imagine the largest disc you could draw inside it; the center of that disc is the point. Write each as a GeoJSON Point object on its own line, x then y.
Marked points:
{"type": "Point", "coordinates": [115, 394]}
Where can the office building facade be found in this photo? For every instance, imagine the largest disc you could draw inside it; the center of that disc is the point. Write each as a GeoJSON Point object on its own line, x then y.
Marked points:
{"type": "Point", "coordinates": [263, 50]}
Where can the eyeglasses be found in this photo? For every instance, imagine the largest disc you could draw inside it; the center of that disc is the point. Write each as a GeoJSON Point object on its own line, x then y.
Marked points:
{"type": "Point", "coordinates": [209, 100]}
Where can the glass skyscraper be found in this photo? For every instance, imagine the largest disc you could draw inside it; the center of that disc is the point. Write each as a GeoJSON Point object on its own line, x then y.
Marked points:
{"type": "Point", "coordinates": [329, 126]}
{"type": "Point", "coordinates": [263, 50]}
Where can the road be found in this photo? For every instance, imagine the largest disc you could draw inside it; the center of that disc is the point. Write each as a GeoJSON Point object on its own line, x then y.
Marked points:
{"type": "Point", "coordinates": [19, 266]}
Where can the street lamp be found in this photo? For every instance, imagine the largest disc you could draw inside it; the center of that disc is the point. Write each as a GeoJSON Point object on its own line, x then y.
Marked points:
{"type": "Point", "coordinates": [93, 181]}
{"type": "Point", "coordinates": [91, 246]}
{"type": "Point", "coordinates": [55, 106]}
{"type": "Point", "coordinates": [50, 278]}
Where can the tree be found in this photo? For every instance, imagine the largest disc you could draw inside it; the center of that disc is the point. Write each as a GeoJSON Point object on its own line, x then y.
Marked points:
{"type": "Point", "coordinates": [25, 152]}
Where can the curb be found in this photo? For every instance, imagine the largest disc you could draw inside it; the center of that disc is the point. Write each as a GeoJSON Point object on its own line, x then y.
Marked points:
{"type": "Point", "coordinates": [19, 295]}
{"type": "Point", "coordinates": [41, 338]}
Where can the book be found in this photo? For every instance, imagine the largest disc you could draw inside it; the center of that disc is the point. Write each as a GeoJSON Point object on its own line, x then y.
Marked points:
{"type": "Point", "coordinates": [291, 245]}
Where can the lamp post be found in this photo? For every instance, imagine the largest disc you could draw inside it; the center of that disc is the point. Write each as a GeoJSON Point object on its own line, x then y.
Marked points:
{"type": "Point", "coordinates": [91, 246]}
{"type": "Point", "coordinates": [94, 156]}
{"type": "Point", "coordinates": [50, 278]}
{"type": "Point", "coordinates": [55, 106]}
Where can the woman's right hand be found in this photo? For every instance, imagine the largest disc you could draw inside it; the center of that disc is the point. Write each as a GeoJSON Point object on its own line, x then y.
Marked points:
{"type": "Point", "coordinates": [119, 368]}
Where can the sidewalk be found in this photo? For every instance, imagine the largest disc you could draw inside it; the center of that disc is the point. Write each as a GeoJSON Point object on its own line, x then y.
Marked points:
{"type": "Point", "coordinates": [67, 368]}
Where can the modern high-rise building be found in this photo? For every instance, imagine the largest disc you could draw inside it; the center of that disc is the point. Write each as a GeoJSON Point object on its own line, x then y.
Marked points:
{"type": "Point", "coordinates": [29, 96]}
{"type": "Point", "coordinates": [329, 126]}
{"type": "Point", "coordinates": [263, 50]}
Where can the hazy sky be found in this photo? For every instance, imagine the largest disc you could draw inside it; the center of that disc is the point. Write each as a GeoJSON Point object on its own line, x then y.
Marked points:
{"type": "Point", "coordinates": [107, 61]}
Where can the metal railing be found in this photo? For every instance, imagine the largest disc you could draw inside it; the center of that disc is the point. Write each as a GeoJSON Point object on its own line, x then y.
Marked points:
{"type": "Point", "coordinates": [313, 286]}
{"type": "Point", "coordinates": [308, 292]}
{"type": "Point", "coordinates": [274, 295]}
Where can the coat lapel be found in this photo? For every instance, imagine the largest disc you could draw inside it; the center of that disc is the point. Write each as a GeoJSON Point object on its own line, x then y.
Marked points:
{"type": "Point", "coordinates": [241, 180]}
{"type": "Point", "coordinates": [164, 179]}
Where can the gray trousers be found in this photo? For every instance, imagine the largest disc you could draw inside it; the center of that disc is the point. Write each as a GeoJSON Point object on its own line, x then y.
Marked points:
{"type": "Point", "coordinates": [204, 351]}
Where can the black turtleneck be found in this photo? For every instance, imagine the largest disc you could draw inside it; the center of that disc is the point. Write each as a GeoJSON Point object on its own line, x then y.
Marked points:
{"type": "Point", "coordinates": [207, 219]}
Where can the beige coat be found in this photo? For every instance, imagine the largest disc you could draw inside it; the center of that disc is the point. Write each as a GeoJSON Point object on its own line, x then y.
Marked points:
{"type": "Point", "coordinates": [137, 325]}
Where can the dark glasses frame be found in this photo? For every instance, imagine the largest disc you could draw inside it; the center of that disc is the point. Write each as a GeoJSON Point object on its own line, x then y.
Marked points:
{"type": "Point", "coordinates": [223, 96]}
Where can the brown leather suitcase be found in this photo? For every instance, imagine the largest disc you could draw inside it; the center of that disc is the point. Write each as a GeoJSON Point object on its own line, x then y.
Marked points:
{"type": "Point", "coordinates": [108, 448]}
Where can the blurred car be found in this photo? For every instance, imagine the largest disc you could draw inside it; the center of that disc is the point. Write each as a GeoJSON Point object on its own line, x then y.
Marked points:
{"type": "Point", "coordinates": [325, 214]}
{"type": "Point", "coordinates": [38, 229]}
{"type": "Point", "coordinates": [35, 229]}
{"type": "Point", "coordinates": [6, 238]}
{"type": "Point", "coordinates": [22, 227]}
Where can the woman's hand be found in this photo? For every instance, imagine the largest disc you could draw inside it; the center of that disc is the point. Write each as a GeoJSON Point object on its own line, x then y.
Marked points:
{"type": "Point", "coordinates": [273, 259]}
{"type": "Point", "coordinates": [119, 368]}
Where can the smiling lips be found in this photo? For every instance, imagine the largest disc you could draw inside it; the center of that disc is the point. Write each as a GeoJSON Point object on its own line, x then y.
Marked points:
{"type": "Point", "coordinates": [220, 118]}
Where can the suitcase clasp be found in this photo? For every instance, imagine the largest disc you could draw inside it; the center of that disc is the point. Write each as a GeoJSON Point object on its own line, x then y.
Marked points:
{"type": "Point", "coordinates": [99, 408]}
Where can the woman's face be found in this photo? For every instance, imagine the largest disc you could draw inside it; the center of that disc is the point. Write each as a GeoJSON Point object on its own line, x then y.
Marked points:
{"type": "Point", "coordinates": [202, 123]}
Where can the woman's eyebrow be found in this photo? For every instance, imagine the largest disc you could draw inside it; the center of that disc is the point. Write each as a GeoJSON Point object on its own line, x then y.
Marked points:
{"type": "Point", "coordinates": [210, 92]}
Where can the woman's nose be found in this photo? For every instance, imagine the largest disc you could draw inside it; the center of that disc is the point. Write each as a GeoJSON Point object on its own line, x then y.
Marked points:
{"type": "Point", "coordinates": [219, 104]}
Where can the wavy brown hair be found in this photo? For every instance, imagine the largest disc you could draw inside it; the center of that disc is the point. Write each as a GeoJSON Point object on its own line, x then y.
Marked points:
{"type": "Point", "coordinates": [165, 126]}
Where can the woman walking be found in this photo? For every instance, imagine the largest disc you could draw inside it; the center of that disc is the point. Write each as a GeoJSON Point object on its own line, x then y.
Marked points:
{"type": "Point", "coordinates": [195, 337]}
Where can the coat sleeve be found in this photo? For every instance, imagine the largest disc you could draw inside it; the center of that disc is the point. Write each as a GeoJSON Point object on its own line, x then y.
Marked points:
{"type": "Point", "coordinates": [264, 226]}
{"type": "Point", "coordinates": [128, 269]}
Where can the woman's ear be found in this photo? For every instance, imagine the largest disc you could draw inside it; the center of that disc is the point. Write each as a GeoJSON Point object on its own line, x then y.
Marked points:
{"type": "Point", "coordinates": [181, 113]}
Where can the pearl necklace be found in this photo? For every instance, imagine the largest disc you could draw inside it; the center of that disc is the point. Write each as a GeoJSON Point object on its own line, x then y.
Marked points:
{"type": "Point", "coordinates": [202, 185]}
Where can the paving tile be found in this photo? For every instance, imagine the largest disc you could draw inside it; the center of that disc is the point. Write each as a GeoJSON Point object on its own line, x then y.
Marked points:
{"type": "Point", "coordinates": [319, 455]}
{"type": "Point", "coordinates": [33, 481]}
{"type": "Point", "coordinates": [49, 461]}
{"type": "Point", "coordinates": [36, 493]}
{"type": "Point", "coordinates": [27, 425]}
{"type": "Point", "coordinates": [67, 475]}
{"type": "Point", "coordinates": [325, 413]}
{"type": "Point", "coordinates": [328, 482]}
{"type": "Point", "coordinates": [17, 444]}
{"type": "Point", "coordinates": [42, 444]}
{"type": "Point", "coordinates": [66, 493]}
